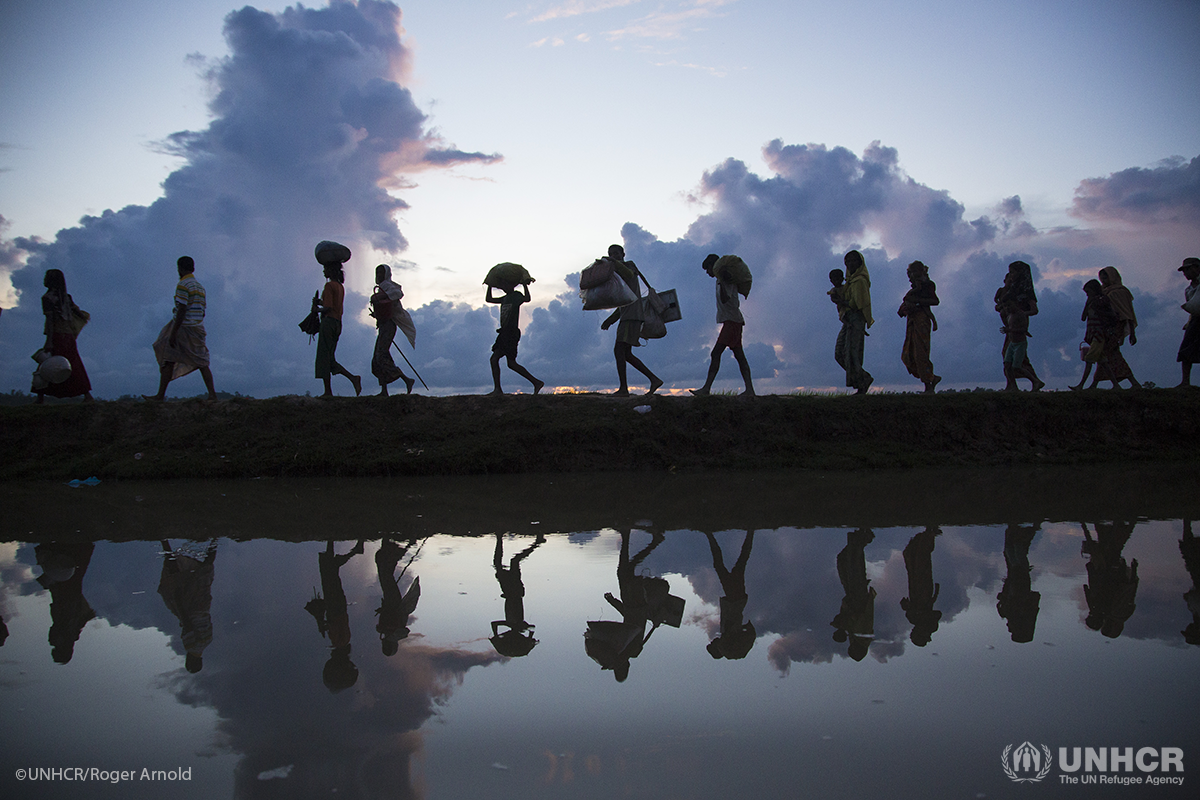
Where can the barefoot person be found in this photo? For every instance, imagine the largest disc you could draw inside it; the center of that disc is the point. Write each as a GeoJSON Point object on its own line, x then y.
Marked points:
{"type": "Point", "coordinates": [630, 326]}
{"type": "Point", "coordinates": [64, 320]}
{"type": "Point", "coordinates": [1016, 302]}
{"type": "Point", "coordinates": [729, 315]}
{"type": "Point", "coordinates": [390, 316]}
{"type": "Point", "coordinates": [509, 334]}
{"type": "Point", "coordinates": [330, 305]}
{"type": "Point", "coordinates": [856, 318]}
{"type": "Point", "coordinates": [181, 346]}
{"type": "Point", "coordinates": [1100, 318]}
{"type": "Point", "coordinates": [919, 324]}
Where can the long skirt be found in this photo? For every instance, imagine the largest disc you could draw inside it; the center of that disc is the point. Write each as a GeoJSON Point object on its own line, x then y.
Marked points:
{"type": "Point", "coordinates": [64, 345]}
{"type": "Point", "coordinates": [915, 353]}
{"type": "Point", "coordinates": [382, 365]}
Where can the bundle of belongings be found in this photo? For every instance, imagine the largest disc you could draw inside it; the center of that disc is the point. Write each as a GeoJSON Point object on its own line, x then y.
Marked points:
{"type": "Point", "coordinates": [736, 271]}
{"type": "Point", "coordinates": [507, 276]}
{"type": "Point", "coordinates": [332, 253]}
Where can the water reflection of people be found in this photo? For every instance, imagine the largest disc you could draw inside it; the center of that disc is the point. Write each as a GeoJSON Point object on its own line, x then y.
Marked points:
{"type": "Point", "coordinates": [518, 639]}
{"type": "Point", "coordinates": [63, 567]}
{"type": "Point", "coordinates": [186, 588]}
{"type": "Point", "coordinates": [736, 637]}
{"type": "Point", "coordinates": [643, 600]}
{"type": "Point", "coordinates": [396, 606]}
{"type": "Point", "coordinates": [333, 618]}
{"type": "Point", "coordinates": [1017, 603]}
{"type": "Point", "coordinates": [1189, 546]}
{"type": "Point", "coordinates": [1112, 583]}
{"type": "Point", "coordinates": [856, 618]}
{"type": "Point", "coordinates": [922, 591]}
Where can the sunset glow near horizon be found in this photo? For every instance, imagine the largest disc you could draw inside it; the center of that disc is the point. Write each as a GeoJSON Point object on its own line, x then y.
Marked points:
{"type": "Point", "coordinates": [961, 134]}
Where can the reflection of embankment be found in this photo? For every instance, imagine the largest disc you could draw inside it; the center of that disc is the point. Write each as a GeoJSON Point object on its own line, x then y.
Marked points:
{"type": "Point", "coordinates": [532, 504]}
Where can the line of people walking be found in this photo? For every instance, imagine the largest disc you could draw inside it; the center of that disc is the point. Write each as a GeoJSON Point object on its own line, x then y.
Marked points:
{"type": "Point", "coordinates": [181, 346]}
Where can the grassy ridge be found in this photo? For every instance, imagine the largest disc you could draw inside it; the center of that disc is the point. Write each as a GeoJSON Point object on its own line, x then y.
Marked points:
{"type": "Point", "coordinates": [419, 435]}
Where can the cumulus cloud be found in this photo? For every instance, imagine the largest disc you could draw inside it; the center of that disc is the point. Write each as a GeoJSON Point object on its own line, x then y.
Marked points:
{"type": "Point", "coordinates": [1168, 192]}
{"type": "Point", "coordinates": [312, 131]}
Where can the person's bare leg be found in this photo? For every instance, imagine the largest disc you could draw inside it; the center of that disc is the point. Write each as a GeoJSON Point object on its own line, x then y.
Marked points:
{"type": "Point", "coordinates": [164, 377]}
{"type": "Point", "coordinates": [496, 374]}
{"type": "Point", "coordinates": [524, 373]}
{"type": "Point", "coordinates": [714, 366]}
{"type": "Point", "coordinates": [744, 366]}
{"type": "Point", "coordinates": [620, 350]}
{"type": "Point", "coordinates": [637, 364]}
{"type": "Point", "coordinates": [206, 374]}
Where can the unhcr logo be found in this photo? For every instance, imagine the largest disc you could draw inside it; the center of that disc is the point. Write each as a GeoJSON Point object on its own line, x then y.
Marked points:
{"type": "Point", "coordinates": [1026, 764]}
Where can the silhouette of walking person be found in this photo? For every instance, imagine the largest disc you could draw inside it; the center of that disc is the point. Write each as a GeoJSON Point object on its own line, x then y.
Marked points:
{"type": "Point", "coordinates": [331, 257]}
{"type": "Point", "coordinates": [729, 316]}
{"type": "Point", "coordinates": [186, 588]}
{"type": "Point", "coordinates": [735, 637]}
{"type": "Point", "coordinates": [63, 567]}
{"type": "Point", "coordinates": [855, 620]}
{"type": "Point", "coordinates": [64, 321]}
{"type": "Point", "coordinates": [1189, 348]}
{"type": "Point", "coordinates": [1112, 583]}
{"type": "Point", "coordinates": [922, 590]}
{"type": "Point", "coordinates": [1017, 603]}
{"type": "Point", "coordinates": [854, 303]}
{"type": "Point", "coordinates": [508, 335]}
{"type": "Point", "coordinates": [390, 316]}
{"type": "Point", "coordinates": [518, 639]}
{"type": "Point", "coordinates": [182, 345]}
{"type": "Point", "coordinates": [919, 324]}
{"type": "Point", "coordinates": [630, 327]}
{"type": "Point", "coordinates": [643, 600]}
{"type": "Point", "coordinates": [1016, 302]}
{"type": "Point", "coordinates": [396, 606]}
{"type": "Point", "coordinates": [333, 618]}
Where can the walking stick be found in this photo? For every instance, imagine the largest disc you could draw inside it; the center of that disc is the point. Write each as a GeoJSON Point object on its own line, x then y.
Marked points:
{"type": "Point", "coordinates": [410, 366]}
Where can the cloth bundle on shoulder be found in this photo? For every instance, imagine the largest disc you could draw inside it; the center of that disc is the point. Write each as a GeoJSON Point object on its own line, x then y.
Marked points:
{"type": "Point", "coordinates": [596, 274]}
{"type": "Point", "coordinates": [613, 293]}
{"type": "Point", "coordinates": [738, 272]}
{"type": "Point", "coordinates": [507, 276]}
{"type": "Point", "coordinates": [331, 253]}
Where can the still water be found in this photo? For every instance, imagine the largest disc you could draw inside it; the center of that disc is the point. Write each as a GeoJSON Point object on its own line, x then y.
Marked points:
{"type": "Point", "coordinates": [909, 635]}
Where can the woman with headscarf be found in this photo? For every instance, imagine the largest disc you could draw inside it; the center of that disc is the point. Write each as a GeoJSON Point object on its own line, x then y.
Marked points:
{"type": "Point", "coordinates": [1016, 301]}
{"type": "Point", "coordinates": [855, 321]}
{"type": "Point", "coordinates": [919, 325]}
{"type": "Point", "coordinates": [62, 329]}
{"type": "Point", "coordinates": [1101, 319]}
{"type": "Point", "coordinates": [1121, 300]}
{"type": "Point", "coordinates": [390, 316]}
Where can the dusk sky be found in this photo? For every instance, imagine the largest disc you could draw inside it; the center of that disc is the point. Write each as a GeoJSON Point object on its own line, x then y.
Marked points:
{"type": "Point", "coordinates": [442, 138]}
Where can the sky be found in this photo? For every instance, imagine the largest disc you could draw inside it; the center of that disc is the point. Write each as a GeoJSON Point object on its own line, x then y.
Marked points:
{"type": "Point", "coordinates": [442, 138]}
